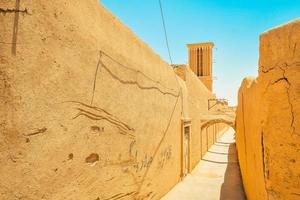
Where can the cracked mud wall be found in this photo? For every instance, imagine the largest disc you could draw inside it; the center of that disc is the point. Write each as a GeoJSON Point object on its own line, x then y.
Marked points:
{"type": "Point", "coordinates": [268, 125]}
{"type": "Point", "coordinates": [88, 110]}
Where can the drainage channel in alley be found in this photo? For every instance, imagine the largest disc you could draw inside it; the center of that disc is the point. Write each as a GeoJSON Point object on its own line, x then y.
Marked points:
{"type": "Point", "coordinates": [216, 177]}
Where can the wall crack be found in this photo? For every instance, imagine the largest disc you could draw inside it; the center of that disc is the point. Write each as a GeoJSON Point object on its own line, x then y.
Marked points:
{"type": "Point", "coordinates": [288, 88]}
{"type": "Point", "coordinates": [266, 176]}
{"type": "Point", "coordinates": [289, 100]}
{"type": "Point", "coordinates": [136, 82]}
{"type": "Point", "coordinates": [12, 10]}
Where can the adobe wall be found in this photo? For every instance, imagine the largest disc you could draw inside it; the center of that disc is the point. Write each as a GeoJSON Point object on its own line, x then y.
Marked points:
{"type": "Point", "coordinates": [79, 123]}
{"type": "Point", "coordinates": [198, 107]}
{"type": "Point", "coordinates": [197, 101]}
{"type": "Point", "coordinates": [88, 110]}
{"type": "Point", "coordinates": [267, 123]}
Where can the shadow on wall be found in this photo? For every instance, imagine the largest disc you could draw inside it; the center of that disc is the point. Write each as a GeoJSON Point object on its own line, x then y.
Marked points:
{"type": "Point", "coordinates": [232, 188]}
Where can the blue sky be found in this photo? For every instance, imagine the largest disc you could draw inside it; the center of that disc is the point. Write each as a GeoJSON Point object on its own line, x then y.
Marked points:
{"type": "Point", "coordinates": [233, 25]}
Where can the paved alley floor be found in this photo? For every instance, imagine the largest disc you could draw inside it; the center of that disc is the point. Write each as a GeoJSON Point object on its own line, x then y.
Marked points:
{"type": "Point", "coordinates": [216, 177]}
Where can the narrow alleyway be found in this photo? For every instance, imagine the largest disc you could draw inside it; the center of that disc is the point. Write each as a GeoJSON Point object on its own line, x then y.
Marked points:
{"type": "Point", "coordinates": [216, 177]}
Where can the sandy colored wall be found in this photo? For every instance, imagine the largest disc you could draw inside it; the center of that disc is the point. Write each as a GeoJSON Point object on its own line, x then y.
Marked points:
{"type": "Point", "coordinates": [197, 101]}
{"type": "Point", "coordinates": [268, 125]}
{"type": "Point", "coordinates": [180, 70]}
{"type": "Point", "coordinates": [207, 81]}
{"type": "Point", "coordinates": [88, 110]}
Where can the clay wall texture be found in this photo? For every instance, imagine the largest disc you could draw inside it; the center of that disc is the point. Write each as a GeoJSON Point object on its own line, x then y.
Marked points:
{"type": "Point", "coordinates": [268, 125]}
{"type": "Point", "coordinates": [198, 96]}
{"type": "Point", "coordinates": [88, 110]}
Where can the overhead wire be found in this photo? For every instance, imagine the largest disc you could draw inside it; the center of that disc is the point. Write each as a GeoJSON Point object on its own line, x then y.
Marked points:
{"type": "Point", "coordinates": [165, 31]}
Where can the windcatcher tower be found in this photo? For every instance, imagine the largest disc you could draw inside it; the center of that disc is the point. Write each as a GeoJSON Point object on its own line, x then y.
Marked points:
{"type": "Point", "coordinates": [200, 62]}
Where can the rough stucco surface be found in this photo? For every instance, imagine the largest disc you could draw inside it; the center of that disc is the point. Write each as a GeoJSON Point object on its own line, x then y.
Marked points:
{"type": "Point", "coordinates": [268, 113]}
{"type": "Point", "coordinates": [201, 140]}
{"type": "Point", "coordinates": [196, 109]}
{"type": "Point", "coordinates": [88, 111]}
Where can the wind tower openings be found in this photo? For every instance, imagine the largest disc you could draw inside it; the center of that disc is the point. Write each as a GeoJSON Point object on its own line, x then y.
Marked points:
{"type": "Point", "coordinates": [200, 62]}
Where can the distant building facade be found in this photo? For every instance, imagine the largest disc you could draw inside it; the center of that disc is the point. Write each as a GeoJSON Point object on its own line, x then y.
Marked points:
{"type": "Point", "coordinates": [200, 62]}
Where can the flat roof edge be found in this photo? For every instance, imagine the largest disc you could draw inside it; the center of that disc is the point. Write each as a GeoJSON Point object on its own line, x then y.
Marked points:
{"type": "Point", "coordinates": [202, 44]}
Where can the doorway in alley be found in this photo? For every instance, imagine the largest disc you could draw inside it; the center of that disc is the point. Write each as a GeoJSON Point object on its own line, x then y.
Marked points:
{"type": "Point", "coordinates": [186, 135]}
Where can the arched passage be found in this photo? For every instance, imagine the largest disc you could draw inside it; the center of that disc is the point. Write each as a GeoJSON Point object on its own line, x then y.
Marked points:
{"type": "Point", "coordinates": [210, 129]}
{"type": "Point", "coordinates": [229, 122]}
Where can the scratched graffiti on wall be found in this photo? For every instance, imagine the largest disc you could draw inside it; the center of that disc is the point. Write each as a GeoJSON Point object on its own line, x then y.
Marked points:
{"type": "Point", "coordinates": [164, 156]}
{"type": "Point", "coordinates": [141, 164]}
{"type": "Point", "coordinates": [144, 163]}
